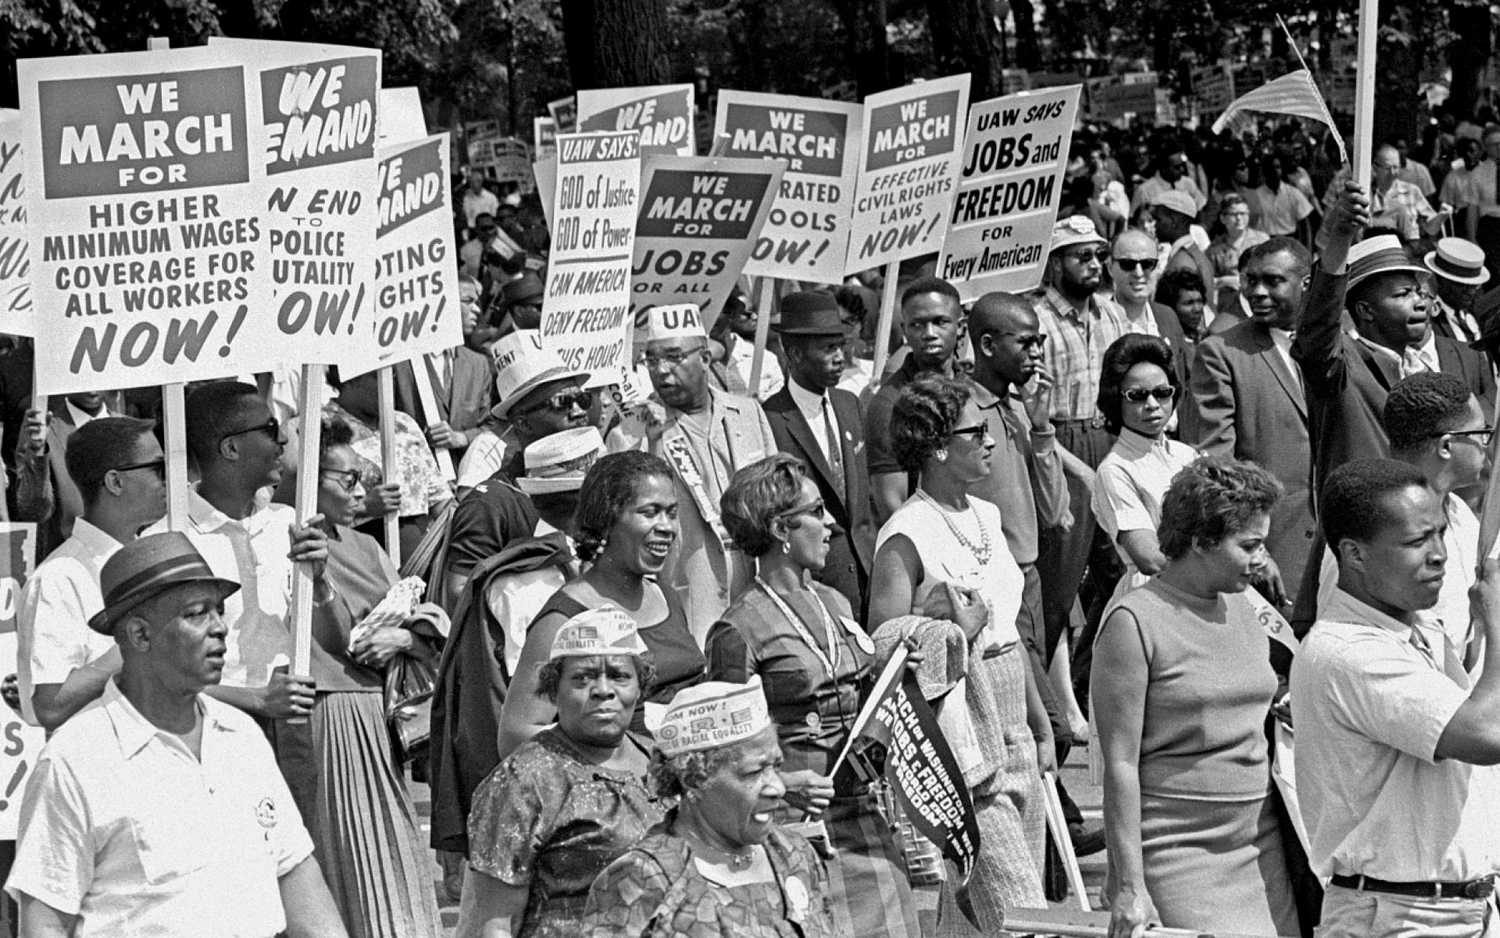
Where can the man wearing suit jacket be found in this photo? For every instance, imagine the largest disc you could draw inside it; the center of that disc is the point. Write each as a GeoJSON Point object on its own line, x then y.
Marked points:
{"type": "Point", "coordinates": [462, 383]}
{"type": "Point", "coordinates": [1347, 377]}
{"type": "Point", "coordinates": [705, 435]}
{"type": "Point", "coordinates": [821, 425]}
{"type": "Point", "coordinates": [1248, 401]}
{"type": "Point", "coordinates": [1132, 270]}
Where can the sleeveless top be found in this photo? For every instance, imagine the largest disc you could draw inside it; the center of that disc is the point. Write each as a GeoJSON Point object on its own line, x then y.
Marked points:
{"type": "Point", "coordinates": [678, 661]}
{"type": "Point", "coordinates": [1209, 688]}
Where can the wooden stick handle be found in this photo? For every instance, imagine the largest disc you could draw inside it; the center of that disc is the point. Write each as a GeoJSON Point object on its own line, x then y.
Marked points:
{"type": "Point", "coordinates": [174, 436]}
{"type": "Point", "coordinates": [883, 325]}
{"type": "Point", "coordinates": [388, 469]}
{"type": "Point", "coordinates": [310, 432]}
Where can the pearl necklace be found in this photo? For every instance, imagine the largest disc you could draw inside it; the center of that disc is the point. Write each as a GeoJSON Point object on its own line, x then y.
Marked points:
{"type": "Point", "coordinates": [984, 549]}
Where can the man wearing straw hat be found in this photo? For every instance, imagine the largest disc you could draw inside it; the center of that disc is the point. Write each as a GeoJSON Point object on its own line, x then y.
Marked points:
{"type": "Point", "coordinates": [160, 811]}
{"type": "Point", "coordinates": [705, 435]}
{"type": "Point", "coordinates": [1458, 274]}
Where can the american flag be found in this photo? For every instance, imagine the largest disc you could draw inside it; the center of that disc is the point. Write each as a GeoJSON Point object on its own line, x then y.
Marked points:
{"type": "Point", "coordinates": [1295, 94]}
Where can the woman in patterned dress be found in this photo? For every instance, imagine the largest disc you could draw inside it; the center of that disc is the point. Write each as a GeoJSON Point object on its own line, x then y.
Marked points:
{"type": "Point", "coordinates": [571, 799]}
{"type": "Point", "coordinates": [717, 866]}
{"type": "Point", "coordinates": [814, 661]}
{"type": "Point", "coordinates": [943, 543]}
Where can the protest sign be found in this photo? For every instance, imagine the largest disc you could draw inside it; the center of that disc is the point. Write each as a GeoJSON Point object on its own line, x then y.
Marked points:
{"type": "Point", "coordinates": [586, 311]}
{"type": "Point", "coordinates": [22, 742]}
{"type": "Point", "coordinates": [908, 168]}
{"type": "Point", "coordinates": [1009, 187]}
{"type": "Point", "coordinates": [662, 114]}
{"type": "Point", "coordinates": [512, 160]}
{"type": "Point", "coordinates": [1213, 88]}
{"type": "Point", "coordinates": [545, 173]}
{"type": "Point", "coordinates": [699, 217]}
{"type": "Point", "coordinates": [400, 116]}
{"type": "Point", "coordinates": [544, 136]}
{"type": "Point", "coordinates": [144, 196]}
{"type": "Point", "coordinates": [15, 269]}
{"type": "Point", "coordinates": [924, 775]}
{"type": "Point", "coordinates": [1122, 99]}
{"type": "Point", "coordinates": [807, 232]}
{"type": "Point", "coordinates": [416, 278]}
{"type": "Point", "coordinates": [320, 107]}
{"type": "Point", "coordinates": [564, 112]}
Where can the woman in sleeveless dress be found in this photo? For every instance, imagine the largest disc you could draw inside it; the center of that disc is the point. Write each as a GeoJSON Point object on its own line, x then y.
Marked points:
{"type": "Point", "coordinates": [1182, 684]}
{"type": "Point", "coordinates": [943, 541]}
{"type": "Point", "coordinates": [626, 525]}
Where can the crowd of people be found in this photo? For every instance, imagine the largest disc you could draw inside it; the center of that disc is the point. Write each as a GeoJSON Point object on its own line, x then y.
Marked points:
{"type": "Point", "coordinates": [1207, 498]}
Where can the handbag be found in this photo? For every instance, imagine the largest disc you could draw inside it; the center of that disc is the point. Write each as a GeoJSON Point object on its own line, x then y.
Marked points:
{"type": "Point", "coordinates": [409, 683]}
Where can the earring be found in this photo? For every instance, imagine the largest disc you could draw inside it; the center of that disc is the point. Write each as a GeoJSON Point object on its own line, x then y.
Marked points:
{"type": "Point", "coordinates": [942, 455]}
{"type": "Point", "coordinates": [786, 547]}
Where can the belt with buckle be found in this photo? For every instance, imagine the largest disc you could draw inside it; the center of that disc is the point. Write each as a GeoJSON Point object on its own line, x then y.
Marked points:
{"type": "Point", "coordinates": [1472, 889]}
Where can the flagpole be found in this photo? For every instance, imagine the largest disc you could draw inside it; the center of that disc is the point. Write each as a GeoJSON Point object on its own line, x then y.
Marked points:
{"type": "Point", "coordinates": [889, 674]}
{"type": "Point", "coordinates": [1364, 92]}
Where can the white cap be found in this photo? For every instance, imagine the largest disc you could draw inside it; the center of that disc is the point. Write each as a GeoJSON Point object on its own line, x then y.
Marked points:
{"type": "Point", "coordinates": [558, 462]}
{"type": "Point", "coordinates": [521, 364]}
{"type": "Point", "coordinates": [607, 630]}
{"type": "Point", "coordinates": [680, 321]}
{"type": "Point", "coordinates": [708, 715]}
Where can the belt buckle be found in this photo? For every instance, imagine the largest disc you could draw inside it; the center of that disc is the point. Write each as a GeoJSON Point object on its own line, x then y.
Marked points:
{"type": "Point", "coordinates": [1479, 888]}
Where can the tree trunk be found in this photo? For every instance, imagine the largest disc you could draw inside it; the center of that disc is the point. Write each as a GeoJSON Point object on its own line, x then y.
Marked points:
{"type": "Point", "coordinates": [615, 43]}
{"type": "Point", "coordinates": [1473, 41]}
{"type": "Point", "coordinates": [1028, 49]}
{"type": "Point", "coordinates": [1397, 74]}
{"type": "Point", "coordinates": [965, 39]}
{"type": "Point", "coordinates": [864, 40]}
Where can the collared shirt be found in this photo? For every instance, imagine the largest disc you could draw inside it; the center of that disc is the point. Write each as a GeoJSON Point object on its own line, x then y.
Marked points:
{"type": "Point", "coordinates": [53, 638]}
{"type": "Point", "coordinates": [125, 828]}
{"type": "Point", "coordinates": [1369, 707]}
{"type": "Point", "coordinates": [1402, 206]}
{"type": "Point", "coordinates": [1076, 340]}
{"type": "Point", "coordinates": [81, 417]}
{"type": "Point", "coordinates": [1142, 324]}
{"type": "Point", "coordinates": [1459, 187]}
{"type": "Point", "coordinates": [1414, 360]}
{"type": "Point", "coordinates": [742, 356]}
{"type": "Point", "coordinates": [1026, 501]}
{"type": "Point", "coordinates": [813, 407]}
{"type": "Point", "coordinates": [1282, 340]}
{"type": "Point", "coordinates": [1132, 481]}
{"type": "Point", "coordinates": [1465, 328]}
{"type": "Point", "coordinates": [1279, 212]}
{"type": "Point", "coordinates": [251, 552]}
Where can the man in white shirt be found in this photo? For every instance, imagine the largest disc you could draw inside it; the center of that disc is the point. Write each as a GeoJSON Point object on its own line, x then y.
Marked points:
{"type": "Point", "coordinates": [1391, 731]}
{"type": "Point", "coordinates": [160, 811]}
{"type": "Point", "coordinates": [478, 200]}
{"type": "Point", "coordinates": [1172, 173]}
{"type": "Point", "coordinates": [118, 467]}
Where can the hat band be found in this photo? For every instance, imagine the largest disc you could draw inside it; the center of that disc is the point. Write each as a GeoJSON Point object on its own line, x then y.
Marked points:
{"type": "Point", "coordinates": [1445, 266]}
{"type": "Point", "coordinates": [1387, 260]}
{"type": "Point", "coordinates": [157, 577]}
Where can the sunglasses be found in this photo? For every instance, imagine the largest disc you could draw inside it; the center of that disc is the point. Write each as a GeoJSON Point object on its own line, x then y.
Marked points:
{"type": "Point", "coordinates": [271, 428]}
{"type": "Point", "coordinates": [975, 433]}
{"type": "Point", "coordinates": [158, 465]}
{"type": "Point", "coordinates": [1139, 395]}
{"type": "Point", "coordinates": [1129, 264]}
{"type": "Point", "coordinates": [811, 508]}
{"type": "Point", "coordinates": [564, 401]}
{"type": "Point", "coordinates": [1084, 257]}
{"type": "Point", "coordinates": [348, 479]}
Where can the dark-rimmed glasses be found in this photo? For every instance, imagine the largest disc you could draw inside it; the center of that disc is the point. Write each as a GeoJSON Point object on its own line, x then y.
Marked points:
{"type": "Point", "coordinates": [157, 465]}
{"type": "Point", "coordinates": [817, 507]}
{"type": "Point", "coordinates": [1481, 436]}
{"type": "Point", "coordinates": [1139, 395]}
{"type": "Point", "coordinates": [272, 428]}
{"type": "Point", "coordinates": [975, 433]}
{"type": "Point", "coordinates": [348, 479]}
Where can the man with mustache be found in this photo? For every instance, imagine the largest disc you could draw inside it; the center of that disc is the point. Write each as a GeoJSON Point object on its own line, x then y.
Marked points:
{"type": "Point", "coordinates": [162, 809]}
{"type": "Point", "coordinates": [704, 434]}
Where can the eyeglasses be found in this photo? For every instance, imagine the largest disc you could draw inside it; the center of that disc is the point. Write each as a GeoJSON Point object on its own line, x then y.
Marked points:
{"type": "Point", "coordinates": [1481, 436]}
{"type": "Point", "coordinates": [976, 432]}
{"type": "Point", "coordinates": [1085, 257]}
{"type": "Point", "coordinates": [671, 358]}
{"type": "Point", "coordinates": [348, 479]}
{"type": "Point", "coordinates": [564, 401]}
{"type": "Point", "coordinates": [1139, 395]}
{"type": "Point", "coordinates": [271, 428]}
{"type": "Point", "coordinates": [1129, 264]}
{"type": "Point", "coordinates": [1026, 341]}
{"type": "Point", "coordinates": [158, 465]}
{"type": "Point", "coordinates": [811, 508]}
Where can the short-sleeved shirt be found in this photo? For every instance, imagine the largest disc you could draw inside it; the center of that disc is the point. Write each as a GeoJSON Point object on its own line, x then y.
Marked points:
{"type": "Point", "coordinates": [52, 636]}
{"type": "Point", "coordinates": [493, 515]}
{"type": "Point", "coordinates": [1132, 481]}
{"type": "Point", "coordinates": [880, 458]}
{"type": "Point", "coordinates": [1279, 212]}
{"type": "Point", "coordinates": [1369, 706]}
{"type": "Point", "coordinates": [123, 827]}
{"type": "Point", "coordinates": [547, 820]}
{"type": "Point", "coordinates": [1074, 351]}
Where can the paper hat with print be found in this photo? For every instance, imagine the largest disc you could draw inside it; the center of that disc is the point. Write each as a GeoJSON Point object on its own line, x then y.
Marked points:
{"type": "Point", "coordinates": [558, 462]}
{"type": "Point", "coordinates": [1382, 254]}
{"type": "Point", "coordinates": [673, 322]}
{"type": "Point", "coordinates": [1176, 200]}
{"type": "Point", "coordinates": [147, 567]}
{"type": "Point", "coordinates": [521, 364]}
{"type": "Point", "coordinates": [1458, 260]}
{"type": "Point", "coordinates": [607, 630]}
{"type": "Point", "coordinates": [707, 716]}
{"type": "Point", "coordinates": [1075, 229]}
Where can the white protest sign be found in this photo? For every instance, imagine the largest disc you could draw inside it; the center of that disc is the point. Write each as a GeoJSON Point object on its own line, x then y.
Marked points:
{"type": "Point", "coordinates": [544, 133]}
{"type": "Point", "coordinates": [15, 268]}
{"type": "Point", "coordinates": [663, 114]}
{"type": "Point", "coordinates": [416, 278]}
{"type": "Point", "coordinates": [19, 741]}
{"type": "Point", "coordinates": [320, 107]}
{"type": "Point", "coordinates": [400, 116]}
{"type": "Point", "coordinates": [1009, 187]}
{"type": "Point", "coordinates": [586, 311]}
{"type": "Point", "coordinates": [699, 218]}
{"type": "Point", "coordinates": [512, 159]}
{"type": "Point", "coordinates": [908, 167]}
{"type": "Point", "coordinates": [148, 251]}
{"type": "Point", "coordinates": [807, 232]}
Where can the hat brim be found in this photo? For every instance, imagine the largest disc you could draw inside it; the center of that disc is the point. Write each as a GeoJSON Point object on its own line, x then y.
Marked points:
{"type": "Point", "coordinates": [807, 330]}
{"type": "Point", "coordinates": [531, 384]}
{"type": "Point", "coordinates": [1077, 240]}
{"type": "Point", "coordinates": [1407, 268]}
{"type": "Point", "coordinates": [552, 486]}
{"type": "Point", "coordinates": [102, 621]}
{"type": "Point", "coordinates": [1478, 280]}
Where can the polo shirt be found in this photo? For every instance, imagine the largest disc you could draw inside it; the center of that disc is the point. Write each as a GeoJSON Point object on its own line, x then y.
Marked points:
{"type": "Point", "coordinates": [53, 638]}
{"type": "Point", "coordinates": [122, 826]}
{"type": "Point", "coordinates": [1370, 707]}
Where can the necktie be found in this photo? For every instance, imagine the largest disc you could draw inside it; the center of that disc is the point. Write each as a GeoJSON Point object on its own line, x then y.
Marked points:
{"type": "Point", "coordinates": [1412, 363]}
{"type": "Point", "coordinates": [835, 449]}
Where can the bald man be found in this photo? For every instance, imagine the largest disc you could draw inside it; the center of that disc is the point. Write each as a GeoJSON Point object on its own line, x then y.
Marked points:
{"type": "Point", "coordinates": [1394, 203]}
{"type": "Point", "coordinates": [1133, 270]}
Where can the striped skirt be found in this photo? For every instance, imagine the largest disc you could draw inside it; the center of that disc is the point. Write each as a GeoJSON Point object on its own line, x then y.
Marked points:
{"type": "Point", "coordinates": [364, 826]}
{"type": "Point", "coordinates": [867, 886]}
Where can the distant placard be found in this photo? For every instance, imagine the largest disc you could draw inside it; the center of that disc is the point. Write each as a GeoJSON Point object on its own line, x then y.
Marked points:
{"type": "Point", "coordinates": [15, 253]}
{"type": "Point", "coordinates": [22, 742]}
{"type": "Point", "coordinates": [662, 114]}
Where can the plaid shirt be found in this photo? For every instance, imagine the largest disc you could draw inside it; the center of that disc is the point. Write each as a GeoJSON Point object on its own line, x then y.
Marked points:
{"type": "Point", "coordinates": [1402, 206]}
{"type": "Point", "coordinates": [1075, 349]}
